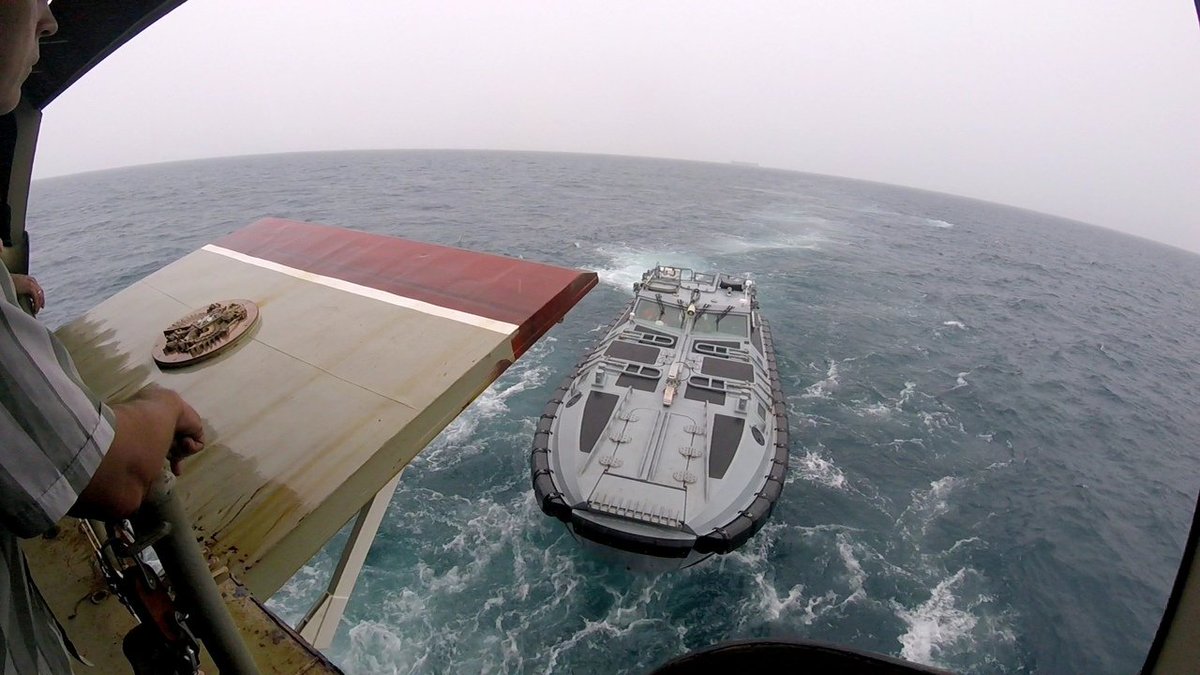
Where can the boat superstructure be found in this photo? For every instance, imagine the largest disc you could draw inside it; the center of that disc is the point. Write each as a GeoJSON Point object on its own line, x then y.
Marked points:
{"type": "Point", "coordinates": [669, 441]}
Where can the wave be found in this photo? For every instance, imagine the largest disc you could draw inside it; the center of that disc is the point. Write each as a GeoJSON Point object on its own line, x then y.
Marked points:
{"type": "Point", "coordinates": [460, 438]}
{"type": "Point", "coordinates": [927, 505]}
{"type": "Point", "coordinates": [736, 245]}
{"type": "Point", "coordinates": [822, 388]}
{"type": "Point", "coordinates": [814, 468]}
{"type": "Point", "coordinates": [937, 624]}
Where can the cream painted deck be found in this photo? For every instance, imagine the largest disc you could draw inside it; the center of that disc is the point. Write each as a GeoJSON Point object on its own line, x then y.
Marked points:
{"type": "Point", "coordinates": [327, 399]}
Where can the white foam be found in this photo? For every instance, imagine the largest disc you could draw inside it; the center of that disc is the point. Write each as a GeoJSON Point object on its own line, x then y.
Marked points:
{"type": "Point", "coordinates": [622, 277]}
{"type": "Point", "coordinates": [771, 606]}
{"type": "Point", "coordinates": [874, 410]}
{"type": "Point", "coordinates": [458, 440]}
{"type": "Point", "coordinates": [815, 468]}
{"type": "Point", "coordinates": [734, 245]}
{"type": "Point", "coordinates": [935, 625]}
{"type": "Point", "coordinates": [624, 265]}
{"type": "Point", "coordinates": [375, 648]}
{"type": "Point", "coordinates": [898, 444]}
{"type": "Point", "coordinates": [928, 505]}
{"type": "Point", "coordinates": [939, 223]}
{"type": "Point", "coordinates": [955, 324]}
{"type": "Point", "coordinates": [938, 421]}
{"type": "Point", "coordinates": [856, 576]}
{"type": "Point", "coordinates": [886, 408]}
{"type": "Point", "coordinates": [823, 388]}
{"type": "Point", "coordinates": [964, 542]}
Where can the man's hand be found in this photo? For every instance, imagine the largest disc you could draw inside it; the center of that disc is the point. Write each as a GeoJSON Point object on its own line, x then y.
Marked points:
{"type": "Point", "coordinates": [154, 425]}
{"type": "Point", "coordinates": [28, 286]}
{"type": "Point", "coordinates": [189, 437]}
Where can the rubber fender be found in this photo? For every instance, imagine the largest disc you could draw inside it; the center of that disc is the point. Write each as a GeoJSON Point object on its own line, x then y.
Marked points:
{"type": "Point", "coordinates": [772, 489]}
{"type": "Point", "coordinates": [551, 501]}
{"type": "Point", "coordinates": [739, 531]}
{"type": "Point", "coordinates": [716, 541]}
{"type": "Point", "coordinates": [782, 438]}
{"type": "Point", "coordinates": [543, 484]}
{"type": "Point", "coordinates": [554, 505]}
{"type": "Point", "coordinates": [759, 509]}
{"type": "Point", "coordinates": [778, 472]}
{"type": "Point", "coordinates": [544, 424]}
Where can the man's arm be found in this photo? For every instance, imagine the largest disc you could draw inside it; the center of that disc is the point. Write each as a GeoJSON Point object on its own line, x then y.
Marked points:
{"type": "Point", "coordinates": [156, 424]}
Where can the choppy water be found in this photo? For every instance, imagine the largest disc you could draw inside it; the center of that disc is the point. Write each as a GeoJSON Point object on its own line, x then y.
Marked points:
{"type": "Point", "coordinates": [994, 411]}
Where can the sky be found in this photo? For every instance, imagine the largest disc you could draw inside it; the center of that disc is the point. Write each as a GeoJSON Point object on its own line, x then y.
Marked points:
{"type": "Point", "coordinates": [1084, 109]}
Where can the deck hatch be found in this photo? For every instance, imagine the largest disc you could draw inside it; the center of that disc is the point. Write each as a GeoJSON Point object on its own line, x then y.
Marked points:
{"type": "Point", "coordinates": [648, 337]}
{"type": "Point", "coordinates": [727, 434]}
{"type": "Point", "coordinates": [721, 350]}
{"type": "Point", "coordinates": [596, 412]}
{"type": "Point", "coordinates": [642, 378]}
{"type": "Point", "coordinates": [701, 394]}
{"type": "Point", "coordinates": [726, 369]}
{"type": "Point", "coordinates": [632, 352]}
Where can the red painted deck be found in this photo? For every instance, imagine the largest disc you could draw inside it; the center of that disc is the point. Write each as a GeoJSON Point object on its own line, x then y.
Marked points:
{"type": "Point", "coordinates": [530, 295]}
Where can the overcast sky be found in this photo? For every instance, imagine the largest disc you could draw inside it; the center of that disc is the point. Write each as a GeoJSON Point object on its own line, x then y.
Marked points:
{"type": "Point", "coordinates": [1085, 109]}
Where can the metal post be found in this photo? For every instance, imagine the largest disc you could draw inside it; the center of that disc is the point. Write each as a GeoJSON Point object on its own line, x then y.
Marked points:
{"type": "Point", "coordinates": [320, 624]}
{"type": "Point", "coordinates": [190, 578]}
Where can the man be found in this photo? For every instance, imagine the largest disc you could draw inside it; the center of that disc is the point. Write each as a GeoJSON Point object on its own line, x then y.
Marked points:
{"type": "Point", "coordinates": [61, 449]}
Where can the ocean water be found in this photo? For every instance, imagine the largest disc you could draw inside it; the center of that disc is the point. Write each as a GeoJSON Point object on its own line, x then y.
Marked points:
{"type": "Point", "coordinates": [993, 411]}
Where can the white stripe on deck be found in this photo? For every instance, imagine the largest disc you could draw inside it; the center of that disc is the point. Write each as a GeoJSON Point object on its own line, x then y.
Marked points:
{"type": "Point", "coordinates": [368, 292]}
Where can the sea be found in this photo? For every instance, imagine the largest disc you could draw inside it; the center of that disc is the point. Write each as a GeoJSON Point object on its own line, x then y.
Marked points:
{"type": "Point", "coordinates": [993, 414]}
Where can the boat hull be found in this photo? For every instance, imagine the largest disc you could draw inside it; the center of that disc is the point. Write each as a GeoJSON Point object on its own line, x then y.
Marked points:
{"type": "Point", "coordinates": [668, 442]}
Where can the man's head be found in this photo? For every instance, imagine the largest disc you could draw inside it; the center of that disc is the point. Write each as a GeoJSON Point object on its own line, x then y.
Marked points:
{"type": "Point", "coordinates": [22, 24]}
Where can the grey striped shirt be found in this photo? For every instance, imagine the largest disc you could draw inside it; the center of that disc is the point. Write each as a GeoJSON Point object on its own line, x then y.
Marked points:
{"type": "Point", "coordinates": [53, 434]}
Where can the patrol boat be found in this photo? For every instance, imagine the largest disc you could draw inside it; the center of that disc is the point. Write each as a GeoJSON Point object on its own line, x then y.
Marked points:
{"type": "Point", "coordinates": [669, 441]}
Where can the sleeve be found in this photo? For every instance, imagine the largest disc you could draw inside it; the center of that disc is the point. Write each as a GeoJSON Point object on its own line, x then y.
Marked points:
{"type": "Point", "coordinates": [53, 430]}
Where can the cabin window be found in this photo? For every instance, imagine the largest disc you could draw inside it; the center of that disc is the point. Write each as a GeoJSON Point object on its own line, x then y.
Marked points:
{"type": "Point", "coordinates": [655, 314]}
{"type": "Point", "coordinates": [712, 323]}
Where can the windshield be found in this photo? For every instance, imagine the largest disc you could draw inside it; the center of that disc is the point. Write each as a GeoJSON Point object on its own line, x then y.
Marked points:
{"type": "Point", "coordinates": [658, 314]}
{"type": "Point", "coordinates": [731, 324]}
